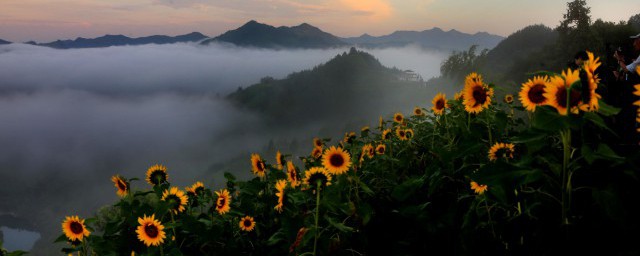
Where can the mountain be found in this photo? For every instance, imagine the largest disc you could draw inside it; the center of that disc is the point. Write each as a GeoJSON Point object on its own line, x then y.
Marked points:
{"type": "Point", "coordinates": [118, 40]}
{"type": "Point", "coordinates": [353, 85]}
{"type": "Point", "coordinates": [434, 38]}
{"type": "Point", "coordinates": [4, 42]}
{"type": "Point", "coordinates": [254, 34]}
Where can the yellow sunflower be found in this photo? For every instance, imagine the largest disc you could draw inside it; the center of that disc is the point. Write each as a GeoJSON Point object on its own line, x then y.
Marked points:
{"type": "Point", "coordinates": [477, 95]}
{"type": "Point", "coordinates": [336, 160]}
{"type": "Point", "coordinates": [73, 227]}
{"type": "Point", "coordinates": [532, 93]}
{"type": "Point", "coordinates": [365, 129]}
{"type": "Point", "coordinates": [408, 133]}
{"type": "Point", "coordinates": [176, 199]}
{"type": "Point", "coordinates": [380, 149]}
{"type": "Point", "coordinates": [556, 92]}
{"type": "Point", "coordinates": [349, 137]}
{"type": "Point", "coordinates": [280, 186]}
{"type": "Point", "coordinates": [401, 133]}
{"type": "Point", "coordinates": [473, 78]}
{"type": "Point", "coordinates": [121, 184]}
{"type": "Point", "coordinates": [381, 123]}
{"type": "Point", "coordinates": [292, 175]}
{"type": "Point", "coordinates": [257, 165]}
{"type": "Point", "coordinates": [500, 149]}
{"type": "Point", "coordinates": [417, 111]}
{"type": "Point", "coordinates": [589, 95]}
{"type": "Point", "coordinates": [439, 103]}
{"type": "Point", "coordinates": [317, 174]}
{"type": "Point", "coordinates": [386, 134]}
{"type": "Point", "coordinates": [316, 152]}
{"type": "Point", "coordinates": [279, 160]}
{"type": "Point", "coordinates": [317, 142]}
{"type": "Point", "coordinates": [195, 189]}
{"type": "Point", "coordinates": [398, 117]}
{"type": "Point", "coordinates": [247, 223]}
{"type": "Point", "coordinates": [508, 98]}
{"type": "Point", "coordinates": [223, 203]}
{"type": "Point", "coordinates": [479, 189]}
{"type": "Point", "coordinates": [150, 231]}
{"type": "Point", "coordinates": [157, 174]}
{"type": "Point", "coordinates": [458, 96]}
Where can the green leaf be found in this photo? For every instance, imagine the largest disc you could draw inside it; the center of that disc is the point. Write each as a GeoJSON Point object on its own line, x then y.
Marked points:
{"type": "Point", "coordinates": [407, 188]}
{"type": "Point", "coordinates": [17, 253]}
{"type": "Point", "coordinates": [61, 238]}
{"type": "Point", "coordinates": [366, 188]}
{"type": "Point", "coordinates": [598, 121]}
{"type": "Point", "coordinates": [605, 152]}
{"type": "Point", "coordinates": [339, 225]}
{"type": "Point", "coordinates": [529, 136]}
{"type": "Point", "coordinates": [229, 176]}
{"type": "Point", "coordinates": [276, 237]}
{"type": "Point", "coordinates": [548, 119]}
{"type": "Point", "coordinates": [607, 110]}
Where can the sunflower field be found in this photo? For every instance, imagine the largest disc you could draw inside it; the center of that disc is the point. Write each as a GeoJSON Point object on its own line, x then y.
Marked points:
{"type": "Point", "coordinates": [543, 172]}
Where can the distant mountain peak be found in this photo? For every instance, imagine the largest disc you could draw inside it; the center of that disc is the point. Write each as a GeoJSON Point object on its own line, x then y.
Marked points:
{"type": "Point", "coordinates": [119, 40]}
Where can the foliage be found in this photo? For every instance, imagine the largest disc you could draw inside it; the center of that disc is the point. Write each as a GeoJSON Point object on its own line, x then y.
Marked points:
{"type": "Point", "coordinates": [568, 184]}
{"type": "Point", "coordinates": [461, 63]}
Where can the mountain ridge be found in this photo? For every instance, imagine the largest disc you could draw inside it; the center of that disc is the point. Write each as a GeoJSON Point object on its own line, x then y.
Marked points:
{"type": "Point", "coordinates": [121, 40]}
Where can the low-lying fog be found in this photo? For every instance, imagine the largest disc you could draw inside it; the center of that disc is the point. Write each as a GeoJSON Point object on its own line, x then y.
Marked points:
{"type": "Point", "coordinates": [70, 119]}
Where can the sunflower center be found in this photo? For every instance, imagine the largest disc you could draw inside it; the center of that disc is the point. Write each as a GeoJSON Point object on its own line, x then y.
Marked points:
{"type": "Point", "coordinates": [151, 230]}
{"type": "Point", "coordinates": [536, 94]}
{"type": "Point", "coordinates": [76, 228]}
{"type": "Point", "coordinates": [336, 160]}
{"type": "Point", "coordinates": [401, 133]}
{"type": "Point", "coordinates": [479, 95]}
{"type": "Point", "coordinates": [221, 202]}
{"type": "Point", "coordinates": [398, 118]}
{"type": "Point", "coordinates": [247, 223]}
{"type": "Point", "coordinates": [561, 97]}
{"type": "Point", "coordinates": [292, 175]}
{"type": "Point", "coordinates": [121, 185]}
{"type": "Point", "coordinates": [174, 201]}
{"type": "Point", "coordinates": [381, 150]}
{"type": "Point", "coordinates": [261, 166]}
{"type": "Point", "coordinates": [440, 104]}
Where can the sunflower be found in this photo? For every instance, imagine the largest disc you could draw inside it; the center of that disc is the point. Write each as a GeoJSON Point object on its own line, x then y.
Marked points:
{"type": "Point", "coordinates": [380, 123]}
{"type": "Point", "coordinates": [280, 186]}
{"type": "Point", "coordinates": [292, 175]}
{"type": "Point", "coordinates": [417, 111]}
{"type": "Point", "coordinates": [176, 199]}
{"type": "Point", "coordinates": [589, 95]}
{"type": "Point", "coordinates": [317, 142]}
{"type": "Point", "coordinates": [380, 149]}
{"type": "Point", "coordinates": [195, 189]}
{"type": "Point", "coordinates": [398, 118]}
{"type": "Point", "coordinates": [408, 133]}
{"type": "Point", "coordinates": [316, 152]}
{"type": "Point", "coordinates": [317, 174]}
{"type": "Point", "coordinates": [279, 160]}
{"type": "Point", "coordinates": [121, 184]}
{"type": "Point", "coordinates": [367, 150]}
{"type": "Point", "coordinates": [386, 134]}
{"type": "Point", "coordinates": [401, 133]}
{"type": "Point", "coordinates": [508, 98]}
{"type": "Point", "coordinates": [439, 103]}
{"type": "Point", "coordinates": [477, 95]}
{"type": "Point", "coordinates": [458, 96]}
{"type": "Point", "coordinates": [473, 78]}
{"type": "Point", "coordinates": [223, 202]}
{"type": "Point", "coordinates": [365, 129]}
{"type": "Point", "coordinates": [556, 92]}
{"type": "Point", "coordinates": [73, 227]}
{"type": "Point", "coordinates": [247, 223]}
{"type": "Point", "coordinates": [349, 137]}
{"type": "Point", "coordinates": [479, 189]}
{"type": "Point", "coordinates": [257, 165]}
{"type": "Point", "coordinates": [532, 93]}
{"type": "Point", "coordinates": [157, 174]}
{"type": "Point", "coordinates": [499, 149]}
{"type": "Point", "coordinates": [150, 231]}
{"type": "Point", "coordinates": [336, 160]}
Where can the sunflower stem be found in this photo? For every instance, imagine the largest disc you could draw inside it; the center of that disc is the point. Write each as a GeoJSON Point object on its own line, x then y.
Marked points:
{"type": "Point", "coordinates": [161, 251]}
{"type": "Point", "coordinates": [315, 240]}
{"type": "Point", "coordinates": [173, 227]}
{"type": "Point", "coordinates": [490, 136]}
{"type": "Point", "coordinates": [486, 204]}
{"type": "Point", "coordinates": [468, 121]}
{"type": "Point", "coordinates": [566, 182]}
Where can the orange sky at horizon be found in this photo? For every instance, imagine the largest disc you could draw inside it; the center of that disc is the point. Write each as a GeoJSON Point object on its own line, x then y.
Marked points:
{"type": "Point", "coordinates": [47, 20]}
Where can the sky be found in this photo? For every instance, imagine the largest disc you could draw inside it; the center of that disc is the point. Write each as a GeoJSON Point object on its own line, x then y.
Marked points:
{"type": "Point", "coordinates": [48, 20]}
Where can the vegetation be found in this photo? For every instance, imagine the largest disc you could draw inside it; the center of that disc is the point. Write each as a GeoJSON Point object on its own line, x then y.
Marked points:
{"type": "Point", "coordinates": [466, 175]}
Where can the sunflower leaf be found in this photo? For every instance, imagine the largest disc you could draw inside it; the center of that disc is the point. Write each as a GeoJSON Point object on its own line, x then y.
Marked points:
{"type": "Point", "coordinates": [597, 120]}
{"type": "Point", "coordinates": [339, 225]}
{"type": "Point", "coordinates": [606, 109]}
{"type": "Point", "coordinates": [61, 238]}
{"type": "Point", "coordinates": [17, 253]}
{"type": "Point", "coordinates": [407, 188]}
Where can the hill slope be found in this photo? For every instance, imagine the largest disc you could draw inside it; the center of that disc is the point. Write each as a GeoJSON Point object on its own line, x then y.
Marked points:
{"type": "Point", "coordinates": [254, 34]}
{"type": "Point", "coordinates": [4, 42]}
{"type": "Point", "coordinates": [119, 40]}
{"type": "Point", "coordinates": [434, 38]}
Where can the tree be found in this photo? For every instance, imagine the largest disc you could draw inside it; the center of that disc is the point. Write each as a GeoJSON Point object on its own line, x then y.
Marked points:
{"type": "Point", "coordinates": [459, 64]}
